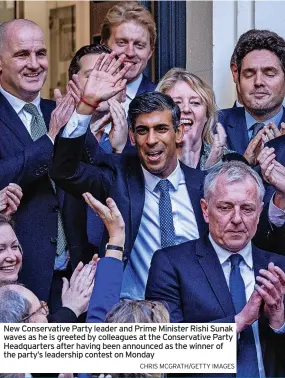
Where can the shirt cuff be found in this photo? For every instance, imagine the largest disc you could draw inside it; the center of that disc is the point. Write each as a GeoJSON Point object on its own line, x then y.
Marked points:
{"type": "Point", "coordinates": [280, 330]}
{"type": "Point", "coordinates": [52, 141]}
{"type": "Point", "coordinates": [276, 215]}
{"type": "Point", "coordinates": [76, 126]}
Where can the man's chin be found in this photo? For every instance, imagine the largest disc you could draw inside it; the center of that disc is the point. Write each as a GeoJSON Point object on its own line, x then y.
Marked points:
{"type": "Point", "coordinates": [260, 109]}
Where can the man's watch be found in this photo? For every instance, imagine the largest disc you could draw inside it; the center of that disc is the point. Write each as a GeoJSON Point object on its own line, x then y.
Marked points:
{"type": "Point", "coordinates": [114, 247]}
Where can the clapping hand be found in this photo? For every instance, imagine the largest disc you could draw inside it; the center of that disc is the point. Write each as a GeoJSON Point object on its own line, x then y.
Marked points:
{"type": "Point", "coordinates": [274, 173]}
{"type": "Point", "coordinates": [218, 147]}
{"type": "Point", "coordinates": [271, 287]}
{"type": "Point", "coordinates": [256, 145]}
{"type": "Point", "coordinates": [62, 113]}
{"type": "Point", "coordinates": [119, 131]}
{"type": "Point", "coordinates": [10, 198]}
{"type": "Point", "coordinates": [77, 292]}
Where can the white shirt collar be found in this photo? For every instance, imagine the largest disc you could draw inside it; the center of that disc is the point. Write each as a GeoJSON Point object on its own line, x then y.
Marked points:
{"type": "Point", "coordinates": [18, 104]}
{"type": "Point", "coordinates": [224, 254]}
{"type": "Point", "coordinates": [133, 87]}
{"type": "Point", "coordinates": [151, 180]}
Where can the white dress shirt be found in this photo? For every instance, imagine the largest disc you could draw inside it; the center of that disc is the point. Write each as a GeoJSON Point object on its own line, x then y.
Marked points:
{"type": "Point", "coordinates": [18, 104]}
{"type": "Point", "coordinates": [148, 239]}
{"type": "Point", "coordinates": [131, 92]}
{"type": "Point", "coordinates": [247, 273]}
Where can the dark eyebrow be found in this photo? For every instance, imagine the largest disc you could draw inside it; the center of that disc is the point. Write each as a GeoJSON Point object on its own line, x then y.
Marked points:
{"type": "Point", "coordinates": [41, 50]}
{"type": "Point", "coordinates": [158, 125]}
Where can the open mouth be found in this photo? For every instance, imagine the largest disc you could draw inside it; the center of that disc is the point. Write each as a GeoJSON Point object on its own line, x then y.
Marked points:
{"type": "Point", "coordinates": [153, 156]}
{"type": "Point", "coordinates": [187, 122]}
{"type": "Point", "coordinates": [8, 269]}
{"type": "Point", "coordinates": [32, 75]}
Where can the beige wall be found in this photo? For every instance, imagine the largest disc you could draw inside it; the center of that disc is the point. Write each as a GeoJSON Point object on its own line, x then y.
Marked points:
{"type": "Point", "coordinates": [38, 11]}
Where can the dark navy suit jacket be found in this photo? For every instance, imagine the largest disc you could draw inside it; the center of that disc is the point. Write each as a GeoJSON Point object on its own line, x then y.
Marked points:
{"type": "Point", "coordinates": [26, 163]}
{"type": "Point", "coordinates": [234, 123]}
{"type": "Point", "coordinates": [118, 176]}
{"type": "Point", "coordinates": [94, 224]}
{"type": "Point", "coordinates": [146, 85]}
{"type": "Point", "coordinates": [189, 277]}
{"type": "Point", "coordinates": [275, 244]}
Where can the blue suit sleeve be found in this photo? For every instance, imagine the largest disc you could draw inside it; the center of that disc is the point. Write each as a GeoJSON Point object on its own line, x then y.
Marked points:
{"type": "Point", "coordinates": [106, 292]}
{"type": "Point", "coordinates": [29, 165]}
{"type": "Point", "coordinates": [163, 285]}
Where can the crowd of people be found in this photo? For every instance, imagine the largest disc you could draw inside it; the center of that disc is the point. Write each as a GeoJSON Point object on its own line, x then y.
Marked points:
{"type": "Point", "coordinates": [136, 202]}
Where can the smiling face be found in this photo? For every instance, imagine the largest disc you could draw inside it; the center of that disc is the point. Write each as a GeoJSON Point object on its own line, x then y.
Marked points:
{"type": "Point", "coordinates": [232, 212]}
{"type": "Point", "coordinates": [10, 255]}
{"type": "Point", "coordinates": [262, 84]}
{"type": "Point", "coordinates": [133, 40]}
{"type": "Point", "coordinates": [86, 64]}
{"type": "Point", "coordinates": [193, 110]}
{"type": "Point", "coordinates": [156, 139]}
{"type": "Point", "coordinates": [23, 62]}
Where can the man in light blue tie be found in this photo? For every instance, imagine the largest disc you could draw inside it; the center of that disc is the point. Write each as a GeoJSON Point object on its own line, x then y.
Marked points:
{"type": "Point", "coordinates": [223, 277]}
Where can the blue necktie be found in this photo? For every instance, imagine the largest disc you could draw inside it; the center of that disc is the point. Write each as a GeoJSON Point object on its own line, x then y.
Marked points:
{"type": "Point", "coordinates": [38, 129]}
{"type": "Point", "coordinates": [256, 127]}
{"type": "Point", "coordinates": [247, 365]}
{"type": "Point", "coordinates": [167, 230]}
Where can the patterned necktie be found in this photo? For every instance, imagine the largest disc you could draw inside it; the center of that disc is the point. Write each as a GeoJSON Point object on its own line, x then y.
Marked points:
{"type": "Point", "coordinates": [247, 365]}
{"type": "Point", "coordinates": [167, 230]}
{"type": "Point", "coordinates": [256, 127]}
{"type": "Point", "coordinates": [38, 129]}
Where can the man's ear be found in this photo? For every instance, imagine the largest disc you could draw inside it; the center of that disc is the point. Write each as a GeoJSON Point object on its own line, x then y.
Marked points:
{"type": "Point", "coordinates": [179, 134]}
{"type": "Point", "coordinates": [132, 137]}
{"type": "Point", "coordinates": [204, 207]}
{"type": "Point", "coordinates": [234, 70]}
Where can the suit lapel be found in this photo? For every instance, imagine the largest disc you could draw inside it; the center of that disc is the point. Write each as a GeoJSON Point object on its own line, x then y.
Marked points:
{"type": "Point", "coordinates": [195, 195]}
{"type": "Point", "coordinates": [11, 119]}
{"type": "Point", "coordinates": [259, 260]}
{"type": "Point", "coordinates": [237, 130]}
{"type": "Point", "coordinates": [211, 266]}
{"type": "Point", "coordinates": [145, 86]}
{"type": "Point", "coordinates": [136, 188]}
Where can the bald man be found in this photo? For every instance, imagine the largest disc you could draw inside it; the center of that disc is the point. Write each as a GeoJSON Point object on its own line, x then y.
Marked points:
{"type": "Point", "coordinates": [47, 218]}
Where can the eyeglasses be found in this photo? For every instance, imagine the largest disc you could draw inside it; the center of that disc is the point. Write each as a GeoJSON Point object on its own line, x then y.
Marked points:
{"type": "Point", "coordinates": [43, 309]}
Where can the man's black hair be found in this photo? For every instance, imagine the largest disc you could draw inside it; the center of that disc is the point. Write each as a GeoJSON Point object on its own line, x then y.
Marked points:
{"type": "Point", "coordinates": [74, 66]}
{"type": "Point", "coordinates": [260, 40]}
{"type": "Point", "coordinates": [149, 102]}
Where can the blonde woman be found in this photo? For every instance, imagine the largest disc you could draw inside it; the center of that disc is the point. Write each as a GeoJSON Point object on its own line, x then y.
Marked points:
{"type": "Point", "coordinates": [200, 148]}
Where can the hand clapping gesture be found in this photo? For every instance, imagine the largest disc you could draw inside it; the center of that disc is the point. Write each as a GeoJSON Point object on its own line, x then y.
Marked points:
{"type": "Point", "coordinates": [256, 145]}
{"type": "Point", "coordinates": [218, 147]}
{"type": "Point", "coordinates": [10, 198]}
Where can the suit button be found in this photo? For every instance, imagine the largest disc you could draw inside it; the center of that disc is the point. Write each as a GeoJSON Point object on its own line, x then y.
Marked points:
{"type": "Point", "coordinates": [53, 240]}
{"type": "Point", "coordinates": [55, 209]}
{"type": "Point", "coordinates": [125, 259]}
